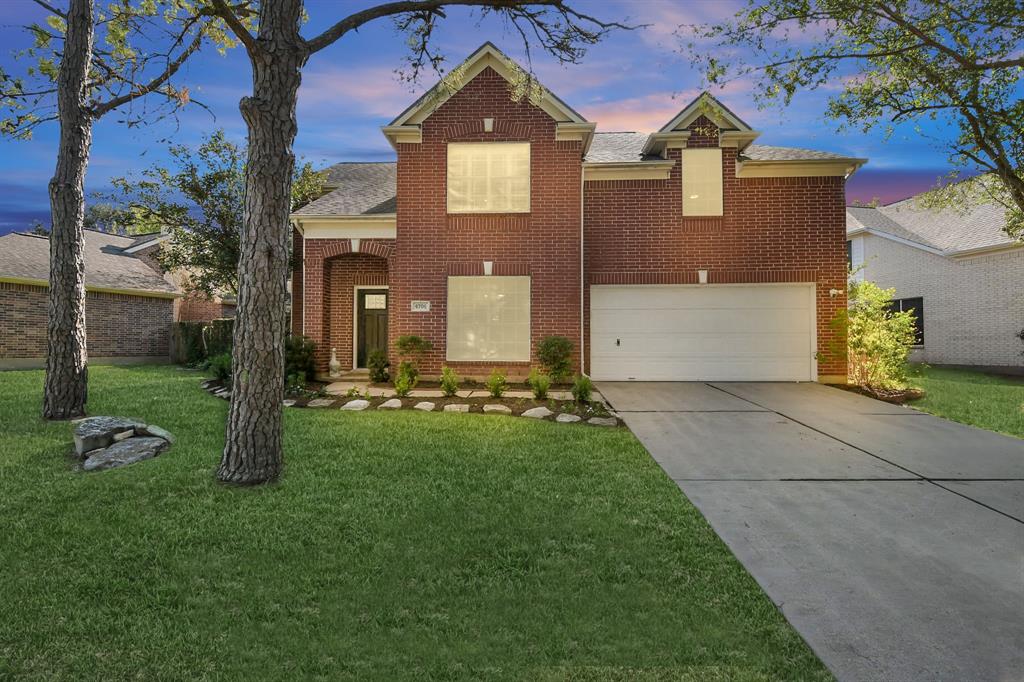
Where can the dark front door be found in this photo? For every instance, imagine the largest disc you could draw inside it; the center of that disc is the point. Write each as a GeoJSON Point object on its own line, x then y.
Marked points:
{"type": "Point", "coordinates": [371, 323]}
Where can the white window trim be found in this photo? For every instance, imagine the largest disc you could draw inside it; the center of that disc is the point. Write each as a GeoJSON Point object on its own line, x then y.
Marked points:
{"type": "Point", "coordinates": [529, 319]}
{"type": "Point", "coordinates": [355, 318]}
{"type": "Point", "coordinates": [529, 184]}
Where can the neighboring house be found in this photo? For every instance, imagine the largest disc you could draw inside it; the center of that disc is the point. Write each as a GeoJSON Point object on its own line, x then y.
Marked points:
{"type": "Point", "coordinates": [956, 269]}
{"type": "Point", "coordinates": [128, 305]}
{"type": "Point", "coordinates": [686, 254]}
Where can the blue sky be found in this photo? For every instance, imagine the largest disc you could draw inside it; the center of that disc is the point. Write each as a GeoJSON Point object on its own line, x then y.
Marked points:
{"type": "Point", "coordinates": [633, 81]}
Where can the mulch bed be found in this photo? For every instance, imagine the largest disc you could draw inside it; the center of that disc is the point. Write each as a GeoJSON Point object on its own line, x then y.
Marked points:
{"type": "Point", "coordinates": [897, 397]}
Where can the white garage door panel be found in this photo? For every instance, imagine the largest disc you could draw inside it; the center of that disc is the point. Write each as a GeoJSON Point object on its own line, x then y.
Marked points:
{"type": "Point", "coordinates": [702, 333]}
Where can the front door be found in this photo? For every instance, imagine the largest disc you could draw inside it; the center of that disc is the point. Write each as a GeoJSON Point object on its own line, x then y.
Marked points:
{"type": "Point", "coordinates": [371, 323]}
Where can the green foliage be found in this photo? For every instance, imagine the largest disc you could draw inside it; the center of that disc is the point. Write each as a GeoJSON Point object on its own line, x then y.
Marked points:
{"type": "Point", "coordinates": [540, 383]}
{"type": "Point", "coordinates": [496, 383]}
{"type": "Point", "coordinates": [955, 65]}
{"type": "Point", "coordinates": [449, 381]}
{"type": "Point", "coordinates": [878, 339]}
{"type": "Point", "coordinates": [190, 338]}
{"type": "Point", "coordinates": [295, 384]}
{"type": "Point", "coordinates": [218, 335]}
{"type": "Point", "coordinates": [555, 353]}
{"type": "Point", "coordinates": [377, 363]}
{"type": "Point", "coordinates": [412, 346]}
{"type": "Point", "coordinates": [299, 356]}
{"type": "Point", "coordinates": [198, 199]}
{"type": "Point", "coordinates": [582, 388]}
{"type": "Point", "coordinates": [406, 379]}
{"type": "Point", "coordinates": [220, 366]}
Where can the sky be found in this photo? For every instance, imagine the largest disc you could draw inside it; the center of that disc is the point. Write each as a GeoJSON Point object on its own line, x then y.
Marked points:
{"type": "Point", "coordinates": [634, 80]}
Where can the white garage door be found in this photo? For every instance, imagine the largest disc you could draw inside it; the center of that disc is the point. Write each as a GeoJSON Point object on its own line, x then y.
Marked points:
{"type": "Point", "coordinates": [761, 332]}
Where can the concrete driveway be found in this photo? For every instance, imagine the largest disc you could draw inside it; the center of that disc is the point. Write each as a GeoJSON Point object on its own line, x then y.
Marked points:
{"type": "Point", "coordinates": [891, 539]}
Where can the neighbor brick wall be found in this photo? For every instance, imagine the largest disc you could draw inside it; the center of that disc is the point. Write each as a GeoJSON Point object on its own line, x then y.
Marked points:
{"type": "Point", "coordinates": [117, 325]}
{"type": "Point", "coordinates": [196, 308]}
{"type": "Point", "coordinates": [972, 306]}
{"type": "Point", "coordinates": [432, 245]}
{"type": "Point", "coordinates": [773, 230]}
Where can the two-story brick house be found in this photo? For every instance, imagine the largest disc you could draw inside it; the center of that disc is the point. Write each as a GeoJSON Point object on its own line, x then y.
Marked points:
{"type": "Point", "coordinates": [686, 254]}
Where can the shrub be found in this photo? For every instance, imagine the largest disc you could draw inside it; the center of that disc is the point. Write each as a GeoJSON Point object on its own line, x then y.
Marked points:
{"type": "Point", "coordinates": [377, 362]}
{"type": "Point", "coordinates": [449, 382]}
{"type": "Point", "coordinates": [555, 354]}
{"type": "Point", "coordinates": [295, 383]}
{"type": "Point", "coordinates": [878, 339]}
{"type": "Point", "coordinates": [540, 383]}
{"type": "Point", "coordinates": [220, 365]}
{"type": "Point", "coordinates": [405, 380]}
{"type": "Point", "coordinates": [582, 389]}
{"type": "Point", "coordinates": [299, 356]}
{"type": "Point", "coordinates": [496, 384]}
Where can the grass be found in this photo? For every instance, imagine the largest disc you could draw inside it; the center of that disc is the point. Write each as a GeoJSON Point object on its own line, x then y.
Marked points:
{"type": "Point", "coordinates": [397, 546]}
{"type": "Point", "coordinates": [990, 402]}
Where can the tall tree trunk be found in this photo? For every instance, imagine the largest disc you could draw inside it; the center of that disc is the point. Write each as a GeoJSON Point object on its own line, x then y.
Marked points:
{"type": "Point", "coordinates": [253, 448]}
{"type": "Point", "coordinates": [66, 386]}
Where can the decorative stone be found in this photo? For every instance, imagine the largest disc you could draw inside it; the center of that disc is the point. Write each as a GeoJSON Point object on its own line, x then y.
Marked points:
{"type": "Point", "coordinates": [356, 405]}
{"type": "Point", "coordinates": [393, 404]}
{"type": "Point", "coordinates": [465, 393]}
{"type": "Point", "coordinates": [538, 412]}
{"type": "Point", "coordinates": [603, 421]}
{"type": "Point", "coordinates": [500, 409]}
{"type": "Point", "coordinates": [334, 367]}
{"type": "Point", "coordinates": [517, 394]}
{"type": "Point", "coordinates": [118, 437]}
{"type": "Point", "coordinates": [155, 431]}
{"type": "Point", "coordinates": [320, 402]}
{"type": "Point", "coordinates": [567, 418]}
{"type": "Point", "coordinates": [99, 432]}
{"type": "Point", "coordinates": [426, 406]}
{"type": "Point", "coordinates": [560, 395]}
{"type": "Point", "coordinates": [457, 407]}
{"type": "Point", "coordinates": [124, 453]}
{"type": "Point", "coordinates": [426, 393]}
{"type": "Point", "coordinates": [288, 403]}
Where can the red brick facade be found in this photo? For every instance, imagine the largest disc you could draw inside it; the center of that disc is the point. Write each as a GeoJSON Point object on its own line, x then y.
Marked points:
{"type": "Point", "coordinates": [195, 308]}
{"type": "Point", "coordinates": [773, 230]}
{"type": "Point", "coordinates": [117, 325]}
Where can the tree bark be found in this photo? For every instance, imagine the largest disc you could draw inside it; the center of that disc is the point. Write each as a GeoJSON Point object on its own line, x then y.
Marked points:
{"type": "Point", "coordinates": [66, 388]}
{"type": "Point", "coordinates": [253, 449]}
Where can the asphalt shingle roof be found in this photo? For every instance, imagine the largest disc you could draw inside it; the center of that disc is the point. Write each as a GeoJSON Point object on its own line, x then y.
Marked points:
{"type": "Point", "coordinates": [764, 152]}
{"type": "Point", "coordinates": [106, 265]}
{"type": "Point", "coordinates": [361, 189]}
{"type": "Point", "coordinates": [616, 147]}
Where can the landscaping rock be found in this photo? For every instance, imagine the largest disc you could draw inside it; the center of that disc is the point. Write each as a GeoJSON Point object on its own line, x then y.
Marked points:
{"type": "Point", "coordinates": [118, 437]}
{"type": "Point", "coordinates": [288, 403]}
{"type": "Point", "coordinates": [567, 418]}
{"type": "Point", "coordinates": [355, 405]}
{"type": "Point", "coordinates": [155, 431]}
{"type": "Point", "coordinates": [456, 408]}
{"type": "Point", "coordinates": [426, 393]}
{"type": "Point", "coordinates": [393, 404]}
{"type": "Point", "coordinates": [500, 409]}
{"type": "Point", "coordinates": [603, 421]}
{"type": "Point", "coordinates": [320, 402]}
{"type": "Point", "coordinates": [538, 412]}
{"type": "Point", "coordinates": [425, 406]}
{"type": "Point", "coordinates": [99, 432]}
{"type": "Point", "coordinates": [517, 394]}
{"type": "Point", "coordinates": [125, 452]}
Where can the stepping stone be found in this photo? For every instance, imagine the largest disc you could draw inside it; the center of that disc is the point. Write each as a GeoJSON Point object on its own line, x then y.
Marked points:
{"type": "Point", "coordinates": [517, 394]}
{"type": "Point", "coordinates": [393, 404]}
{"type": "Point", "coordinates": [500, 409]}
{"type": "Point", "coordinates": [426, 393]}
{"type": "Point", "coordinates": [456, 408]}
{"type": "Point", "coordinates": [355, 405]}
{"type": "Point", "coordinates": [288, 403]}
{"type": "Point", "coordinates": [567, 418]}
{"type": "Point", "coordinates": [538, 412]}
{"type": "Point", "coordinates": [124, 453]}
{"type": "Point", "coordinates": [320, 402]}
{"type": "Point", "coordinates": [560, 395]}
{"type": "Point", "coordinates": [425, 406]}
{"type": "Point", "coordinates": [99, 432]}
{"type": "Point", "coordinates": [465, 393]}
{"type": "Point", "coordinates": [603, 421]}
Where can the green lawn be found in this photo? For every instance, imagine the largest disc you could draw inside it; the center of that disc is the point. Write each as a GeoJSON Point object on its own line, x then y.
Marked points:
{"type": "Point", "coordinates": [397, 546]}
{"type": "Point", "coordinates": [990, 402]}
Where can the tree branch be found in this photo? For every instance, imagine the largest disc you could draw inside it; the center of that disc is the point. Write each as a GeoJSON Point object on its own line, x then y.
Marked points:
{"type": "Point", "coordinates": [221, 9]}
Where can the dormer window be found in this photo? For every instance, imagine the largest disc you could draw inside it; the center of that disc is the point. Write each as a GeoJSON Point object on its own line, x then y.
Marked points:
{"type": "Point", "coordinates": [702, 182]}
{"type": "Point", "coordinates": [489, 177]}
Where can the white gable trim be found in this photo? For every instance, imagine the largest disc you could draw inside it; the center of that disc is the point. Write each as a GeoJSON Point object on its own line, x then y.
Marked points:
{"type": "Point", "coordinates": [717, 112]}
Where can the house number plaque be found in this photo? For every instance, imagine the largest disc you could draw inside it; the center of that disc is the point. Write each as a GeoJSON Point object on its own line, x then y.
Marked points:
{"type": "Point", "coordinates": [420, 306]}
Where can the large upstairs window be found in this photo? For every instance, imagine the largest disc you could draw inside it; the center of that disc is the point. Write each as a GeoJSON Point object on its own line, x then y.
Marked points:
{"type": "Point", "coordinates": [702, 182]}
{"type": "Point", "coordinates": [489, 177]}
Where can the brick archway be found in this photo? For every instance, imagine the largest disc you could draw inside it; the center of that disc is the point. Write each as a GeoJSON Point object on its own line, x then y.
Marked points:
{"type": "Point", "coordinates": [371, 247]}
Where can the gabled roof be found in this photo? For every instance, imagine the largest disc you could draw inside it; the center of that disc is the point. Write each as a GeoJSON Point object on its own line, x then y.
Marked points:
{"type": "Point", "coordinates": [26, 258]}
{"type": "Point", "coordinates": [946, 231]}
{"type": "Point", "coordinates": [621, 147]}
{"type": "Point", "coordinates": [359, 189]}
{"type": "Point", "coordinates": [487, 55]}
{"type": "Point", "coordinates": [706, 104]}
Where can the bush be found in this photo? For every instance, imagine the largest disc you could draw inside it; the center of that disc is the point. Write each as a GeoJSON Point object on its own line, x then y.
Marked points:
{"type": "Point", "coordinates": [555, 354]}
{"type": "Point", "coordinates": [405, 380]}
{"type": "Point", "coordinates": [540, 383]}
{"type": "Point", "coordinates": [299, 354]}
{"type": "Point", "coordinates": [220, 365]}
{"type": "Point", "coordinates": [878, 339]}
{"type": "Point", "coordinates": [496, 384]}
{"type": "Point", "coordinates": [449, 382]}
{"type": "Point", "coordinates": [582, 389]}
{"type": "Point", "coordinates": [377, 362]}
{"type": "Point", "coordinates": [294, 383]}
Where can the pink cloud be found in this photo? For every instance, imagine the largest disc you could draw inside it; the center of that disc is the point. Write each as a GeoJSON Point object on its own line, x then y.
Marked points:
{"type": "Point", "coordinates": [369, 91]}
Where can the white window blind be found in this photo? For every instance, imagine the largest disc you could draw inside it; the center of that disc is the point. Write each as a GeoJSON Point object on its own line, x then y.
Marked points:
{"type": "Point", "coordinates": [489, 319]}
{"type": "Point", "coordinates": [702, 182]}
{"type": "Point", "coordinates": [489, 177]}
